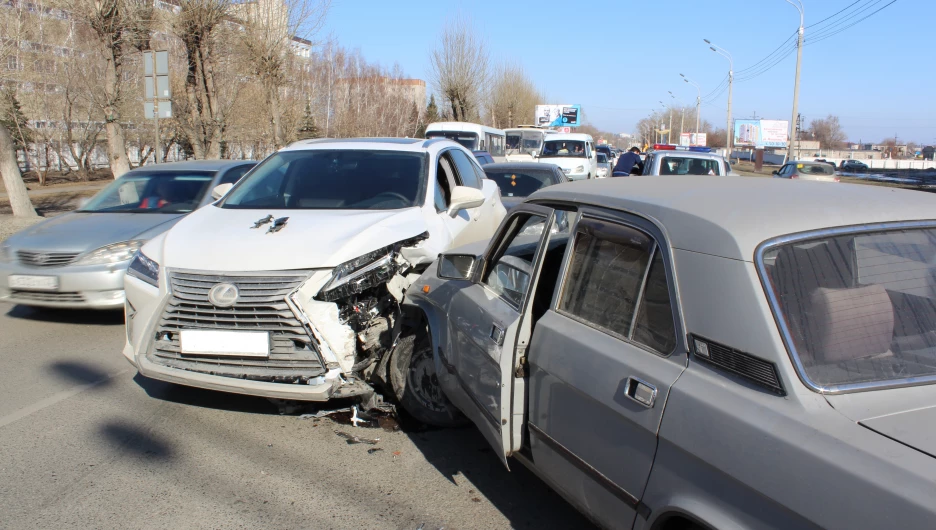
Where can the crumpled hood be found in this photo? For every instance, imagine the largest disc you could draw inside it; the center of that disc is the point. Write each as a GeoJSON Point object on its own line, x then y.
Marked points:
{"type": "Point", "coordinates": [86, 231]}
{"type": "Point", "coordinates": [219, 239]}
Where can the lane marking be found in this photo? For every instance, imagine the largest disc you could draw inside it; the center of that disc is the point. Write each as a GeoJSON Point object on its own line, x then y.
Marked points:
{"type": "Point", "coordinates": [54, 398]}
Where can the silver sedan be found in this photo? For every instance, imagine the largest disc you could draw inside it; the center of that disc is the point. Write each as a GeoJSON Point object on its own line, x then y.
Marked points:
{"type": "Point", "coordinates": [78, 260]}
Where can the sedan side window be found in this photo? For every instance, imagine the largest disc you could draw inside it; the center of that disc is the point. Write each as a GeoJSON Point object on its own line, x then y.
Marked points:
{"type": "Point", "coordinates": [511, 268]}
{"type": "Point", "coordinates": [616, 282]}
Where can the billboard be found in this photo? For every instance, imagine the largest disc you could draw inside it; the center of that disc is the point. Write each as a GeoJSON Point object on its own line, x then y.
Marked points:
{"type": "Point", "coordinates": [760, 133]}
{"type": "Point", "coordinates": [558, 115]}
{"type": "Point", "coordinates": [687, 139]}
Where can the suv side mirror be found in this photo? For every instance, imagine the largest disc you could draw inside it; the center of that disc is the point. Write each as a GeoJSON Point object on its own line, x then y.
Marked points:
{"type": "Point", "coordinates": [464, 198]}
{"type": "Point", "coordinates": [776, 172]}
{"type": "Point", "coordinates": [221, 190]}
{"type": "Point", "coordinates": [456, 266]}
{"type": "Point", "coordinates": [534, 154]}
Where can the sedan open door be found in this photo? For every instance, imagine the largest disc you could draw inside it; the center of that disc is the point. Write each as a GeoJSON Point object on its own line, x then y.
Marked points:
{"type": "Point", "coordinates": [489, 328]}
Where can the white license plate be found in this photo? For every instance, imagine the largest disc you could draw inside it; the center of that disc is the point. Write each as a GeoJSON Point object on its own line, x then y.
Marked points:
{"type": "Point", "coordinates": [42, 283]}
{"type": "Point", "coordinates": [226, 343]}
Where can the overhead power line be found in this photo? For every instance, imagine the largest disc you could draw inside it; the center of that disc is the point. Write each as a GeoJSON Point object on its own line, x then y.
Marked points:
{"type": "Point", "coordinates": [834, 14]}
{"type": "Point", "coordinates": [822, 37]}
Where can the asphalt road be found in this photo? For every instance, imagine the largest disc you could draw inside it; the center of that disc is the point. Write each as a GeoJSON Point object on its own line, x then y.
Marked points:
{"type": "Point", "coordinates": [87, 443]}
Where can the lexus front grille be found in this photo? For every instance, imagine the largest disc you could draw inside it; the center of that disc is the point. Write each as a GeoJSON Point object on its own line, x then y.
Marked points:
{"type": "Point", "coordinates": [260, 306]}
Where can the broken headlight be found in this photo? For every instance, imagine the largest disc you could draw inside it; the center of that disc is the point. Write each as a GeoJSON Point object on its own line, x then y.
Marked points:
{"type": "Point", "coordinates": [367, 271]}
{"type": "Point", "coordinates": [144, 268]}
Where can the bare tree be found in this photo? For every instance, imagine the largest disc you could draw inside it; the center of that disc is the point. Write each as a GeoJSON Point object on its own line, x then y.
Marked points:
{"type": "Point", "coordinates": [118, 29]}
{"type": "Point", "coordinates": [269, 29]}
{"type": "Point", "coordinates": [828, 131]}
{"type": "Point", "coordinates": [513, 96]}
{"type": "Point", "coordinates": [11, 25]}
{"type": "Point", "coordinates": [458, 69]}
{"type": "Point", "coordinates": [202, 27]}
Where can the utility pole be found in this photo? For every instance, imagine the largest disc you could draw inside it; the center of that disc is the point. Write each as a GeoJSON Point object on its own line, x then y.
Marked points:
{"type": "Point", "coordinates": [799, 61]}
{"type": "Point", "coordinates": [682, 122]}
{"type": "Point", "coordinates": [669, 132]}
{"type": "Point", "coordinates": [729, 132]}
{"type": "Point", "coordinates": [698, 102]}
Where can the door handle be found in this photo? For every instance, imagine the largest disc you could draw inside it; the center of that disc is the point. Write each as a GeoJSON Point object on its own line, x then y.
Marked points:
{"type": "Point", "coordinates": [641, 391]}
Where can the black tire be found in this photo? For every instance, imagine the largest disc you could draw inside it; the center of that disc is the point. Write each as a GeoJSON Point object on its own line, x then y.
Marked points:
{"type": "Point", "coordinates": [416, 386]}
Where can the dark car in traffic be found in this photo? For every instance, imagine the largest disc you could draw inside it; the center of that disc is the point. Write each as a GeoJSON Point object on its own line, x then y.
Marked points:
{"type": "Point", "coordinates": [517, 180]}
{"type": "Point", "coordinates": [853, 165]}
{"type": "Point", "coordinates": [483, 157]}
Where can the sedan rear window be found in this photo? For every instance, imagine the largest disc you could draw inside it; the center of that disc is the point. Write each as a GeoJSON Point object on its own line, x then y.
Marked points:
{"type": "Point", "coordinates": [815, 169]}
{"type": "Point", "coordinates": [676, 165]}
{"type": "Point", "coordinates": [859, 307]}
{"type": "Point", "coordinates": [332, 179]}
{"type": "Point", "coordinates": [522, 183]}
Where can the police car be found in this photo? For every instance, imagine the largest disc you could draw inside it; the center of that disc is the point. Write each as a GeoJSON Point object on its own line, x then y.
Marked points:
{"type": "Point", "coordinates": [681, 160]}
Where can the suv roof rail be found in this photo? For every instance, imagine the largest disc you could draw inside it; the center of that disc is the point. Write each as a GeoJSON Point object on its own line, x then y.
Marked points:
{"type": "Point", "coordinates": [432, 141]}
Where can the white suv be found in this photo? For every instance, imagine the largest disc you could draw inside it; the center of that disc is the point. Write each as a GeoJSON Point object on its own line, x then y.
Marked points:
{"type": "Point", "coordinates": [574, 153]}
{"type": "Point", "coordinates": [290, 286]}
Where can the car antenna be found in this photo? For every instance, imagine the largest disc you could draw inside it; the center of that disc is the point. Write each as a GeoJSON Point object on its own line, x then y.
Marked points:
{"type": "Point", "coordinates": [263, 221]}
{"type": "Point", "coordinates": [278, 225]}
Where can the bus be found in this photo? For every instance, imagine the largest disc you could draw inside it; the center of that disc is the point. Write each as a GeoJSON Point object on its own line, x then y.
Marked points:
{"type": "Point", "coordinates": [471, 135]}
{"type": "Point", "coordinates": [525, 142]}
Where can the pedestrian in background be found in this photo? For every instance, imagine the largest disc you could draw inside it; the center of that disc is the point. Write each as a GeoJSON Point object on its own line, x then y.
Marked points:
{"type": "Point", "coordinates": [627, 163]}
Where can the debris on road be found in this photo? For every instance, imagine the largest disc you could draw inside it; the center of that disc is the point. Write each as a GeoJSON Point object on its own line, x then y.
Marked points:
{"type": "Point", "coordinates": [373, 450]}
{"type": "Point", "coordinates": [352, 439]}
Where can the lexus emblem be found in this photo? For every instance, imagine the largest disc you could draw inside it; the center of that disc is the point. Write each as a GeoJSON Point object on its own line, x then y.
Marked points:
{"type": "Point", "coordinates": [223, 295]}
{"type": "Point", "coordinates": [42, 258]}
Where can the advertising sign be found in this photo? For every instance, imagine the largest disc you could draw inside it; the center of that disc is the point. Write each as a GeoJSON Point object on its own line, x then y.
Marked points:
{"type": "Point", "coordinates": [687, 139]}
{"type": "Point", "coordinates": [558, 115]}
{"type": "Point", "coordinates": [760, 133]}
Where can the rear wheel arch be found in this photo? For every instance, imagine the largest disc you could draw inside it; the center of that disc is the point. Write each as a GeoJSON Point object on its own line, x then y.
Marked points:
{"type": "Point", "coordinates": [679, 520]}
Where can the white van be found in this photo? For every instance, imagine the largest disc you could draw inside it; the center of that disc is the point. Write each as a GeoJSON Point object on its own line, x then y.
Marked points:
{"type": "Point", "coordinates": [525, 142]}
{"type": "Point", "coordinates": [471, 135]}
{"type": "Point", "coordinates": [574, 153]}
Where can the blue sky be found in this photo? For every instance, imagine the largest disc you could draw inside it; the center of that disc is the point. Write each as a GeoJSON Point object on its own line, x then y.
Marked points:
{"type": "Point", "coordinates": [619, 58]}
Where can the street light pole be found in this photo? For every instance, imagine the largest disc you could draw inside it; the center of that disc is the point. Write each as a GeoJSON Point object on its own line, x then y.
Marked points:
{"type": "Point", "coordinates": [669, 134]}
{"type": "Point", "coordinates": [682, 121]}
{"type": "Point", "coordinates": [698, 102]}
{"type": "Point", "coordinates": [799, 60]}
{"type": "Point", "coordinates": [729, 132]}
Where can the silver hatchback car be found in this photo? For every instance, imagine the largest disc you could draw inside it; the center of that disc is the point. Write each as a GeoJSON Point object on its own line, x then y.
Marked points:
{"type": "Point", "coordinates": [696, 353]}
{"type": "Point", "coordinates": [78, 259]}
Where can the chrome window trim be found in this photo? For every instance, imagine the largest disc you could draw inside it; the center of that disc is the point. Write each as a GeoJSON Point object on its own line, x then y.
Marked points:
{"type": "Point", "coordinates": [781, 321]}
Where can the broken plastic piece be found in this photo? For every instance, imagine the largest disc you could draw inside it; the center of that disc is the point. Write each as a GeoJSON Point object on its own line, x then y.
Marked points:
{"type": "Point", "coordinates": [373, 450]}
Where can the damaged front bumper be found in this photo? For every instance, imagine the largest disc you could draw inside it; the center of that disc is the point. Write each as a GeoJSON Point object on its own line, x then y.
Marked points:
{"type": "Point", "coordinates": [318, 350]}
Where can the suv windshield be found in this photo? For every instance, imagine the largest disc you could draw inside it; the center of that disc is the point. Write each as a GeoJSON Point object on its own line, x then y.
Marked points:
{"type": "Point", "coordinates": [152, 192]}
{"type": "Point", "coordinates": [563, 148]}
{"type": "Point", "coordinates": [467, 139]}
{"type": "Point", "coordinates": [332, 179]}
{"type": "Point", "coordinates": [860, 307]}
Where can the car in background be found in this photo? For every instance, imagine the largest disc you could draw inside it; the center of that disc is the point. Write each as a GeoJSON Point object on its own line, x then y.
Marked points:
{"type": "Point", "coordinates": [290, 286]}
{"type": "Point", "coordinates": [483, 157]}
{"type": "Point", "coordinates": [853, 165]}
{"type": "Point", "coordinates": [682, 353]}
{"type": "Point", "coordinates": [607, 150]}
{"type": "Point", "coordinates": [574, 153]}
{"type": "Point", "coordinates": [676, 160]}
{"type": "Point", "coordinates": [604, 166]}
{"type": "Point", "coordinates": [824, 161]}
{"type": "Point", "coordinates": [78, 259]}
{"type": "Point", "coordinates": [517, 180]}
{"type": "Point", "coordinates": [805, 170]}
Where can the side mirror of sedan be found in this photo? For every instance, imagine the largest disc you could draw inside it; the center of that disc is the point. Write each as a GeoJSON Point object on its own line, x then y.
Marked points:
{"type": "Point", "coordinates": [221, 190]}
{"type": "Point", "coordinates": [534, 154]}
{"type": "Point", "coordinates": [775, 172]}
{"type": "Point", "coordinates": [457, 266]}
{"type": "Point", "coordinates": [464, 198]}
